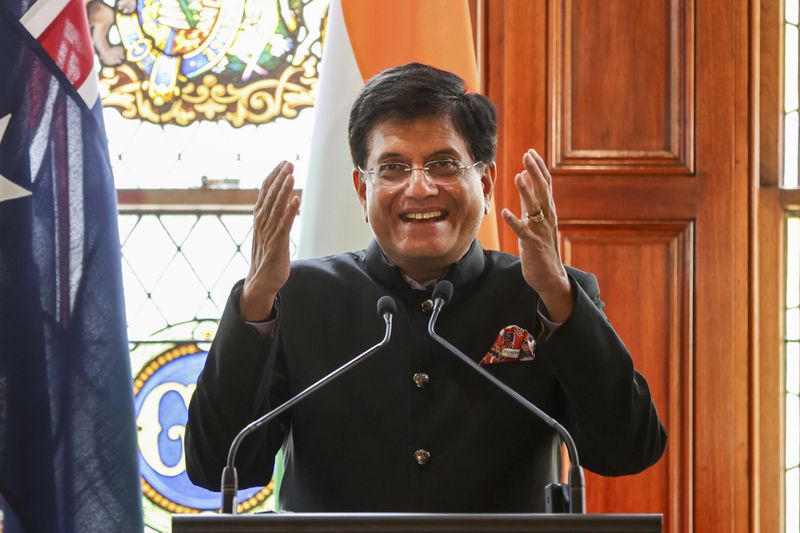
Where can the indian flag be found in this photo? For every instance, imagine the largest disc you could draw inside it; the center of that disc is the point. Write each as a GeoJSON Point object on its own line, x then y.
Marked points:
{"type": "Point", "coordinates": [363, 38]}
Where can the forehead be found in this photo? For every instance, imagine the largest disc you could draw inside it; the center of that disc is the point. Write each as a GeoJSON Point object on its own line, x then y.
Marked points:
{"type": "Point", "coordinates": [415, 139]}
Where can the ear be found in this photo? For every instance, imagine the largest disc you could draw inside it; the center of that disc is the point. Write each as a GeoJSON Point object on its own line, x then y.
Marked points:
{"type": "Point", "coordinates": [360, 186]}
{"type": "Point", "coordinates": [487, 184]}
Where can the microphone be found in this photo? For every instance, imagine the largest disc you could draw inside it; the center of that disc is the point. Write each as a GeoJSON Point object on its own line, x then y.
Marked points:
{"type": "Point", "coordinates": [229, 484]}
{"type": "Point", "coordinates": [559, 498]}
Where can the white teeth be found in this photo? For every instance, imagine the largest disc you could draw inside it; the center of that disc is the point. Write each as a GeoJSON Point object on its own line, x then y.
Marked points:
{"type": "Point", "coordinates": [424, 216]}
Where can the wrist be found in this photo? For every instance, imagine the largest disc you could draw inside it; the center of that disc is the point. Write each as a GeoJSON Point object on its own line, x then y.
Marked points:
{"type": "Point", "coordinates": [558, 301]}
{"type": "Point", "coordinates": [256, 303]}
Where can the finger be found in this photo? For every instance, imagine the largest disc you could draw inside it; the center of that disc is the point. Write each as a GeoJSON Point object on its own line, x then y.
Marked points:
{"type": "Point", "coordinates": [542, 166]}
{"type": "Point", "coordinates": [267, 182]}
{"type": "Point", "coordinates": [548, 178]}
{"type": "Point", "coordinates": [527, 194]}
{"type": "Point", "coordinates": [275, 188]}
{"type": "Point", "coordinates": [542, 182]}
{"type": "Point", "coordinates": [517, 225]}
{"type": "Point", "coordinates": [263, 221]}
{"type": "Point", "coordinates": [286, 220]}
{"type": "Point", "coordinates": [281, 201]}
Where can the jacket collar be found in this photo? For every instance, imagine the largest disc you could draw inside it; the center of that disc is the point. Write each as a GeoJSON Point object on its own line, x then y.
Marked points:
{"type": "Point", "coordinates": [467, 269]}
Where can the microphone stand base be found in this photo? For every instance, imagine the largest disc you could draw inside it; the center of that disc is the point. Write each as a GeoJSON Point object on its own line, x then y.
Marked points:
{"type": "Point", "coordinates": [556, 498]}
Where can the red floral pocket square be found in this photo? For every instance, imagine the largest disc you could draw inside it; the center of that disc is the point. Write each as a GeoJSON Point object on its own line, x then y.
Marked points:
{"type": "Point", "coordinates": [513, 344]}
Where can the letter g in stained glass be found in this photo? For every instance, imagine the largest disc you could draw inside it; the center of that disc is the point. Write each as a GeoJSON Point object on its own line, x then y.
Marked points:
{"type": "Point", "coordinates": [162, 391]}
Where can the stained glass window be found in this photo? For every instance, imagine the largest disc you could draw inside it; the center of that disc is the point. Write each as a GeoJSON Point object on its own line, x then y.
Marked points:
{"type": "Point", "coordinates": [206, 92]}
{"type": "Point", "coordinates": [165, 370]}
{"type": "Point", "coordinates": [201, 99]}
{"type": "Point", "coordinates": [177, 269]}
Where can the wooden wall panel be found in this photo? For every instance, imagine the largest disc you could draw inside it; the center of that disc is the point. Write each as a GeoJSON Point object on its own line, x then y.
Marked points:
{"type": "Point", "coordinates": [621, 75]}
{"type": "Point", "coordinates": [651, 172]}
{"type": "Point", "coordinates": [644, 273]}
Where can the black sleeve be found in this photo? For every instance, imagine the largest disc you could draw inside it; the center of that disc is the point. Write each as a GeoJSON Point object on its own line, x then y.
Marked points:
{"type": "Point", "coordinates": [609, 413]}
{"type": "Point", "coordinates": [244, 376]}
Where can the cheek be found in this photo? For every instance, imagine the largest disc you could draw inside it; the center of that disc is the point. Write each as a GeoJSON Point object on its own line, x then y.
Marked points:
{"type": "Point", "coordinates": [378, 206]}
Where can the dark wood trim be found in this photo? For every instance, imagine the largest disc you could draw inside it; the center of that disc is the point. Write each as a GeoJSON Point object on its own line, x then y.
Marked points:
{"type": "Point", "coordinates": [769, 363]}
{"type": "Point", "coordinates": [723, 449]}
{"type": "Point", "coordinates": [586, 197]}
{"type": "Point", "coordinates": [790, 200]}
{"type": "Point", "coordinates": [771, 92]}
{"type": "Point", "coordinates": [181, 199]}
{"type": "Point", "coordinates": [769, 254]}
{"type": "Point", "coordinates": [754, 69]}
{"type": "Point", "coordinates": [476, 11]}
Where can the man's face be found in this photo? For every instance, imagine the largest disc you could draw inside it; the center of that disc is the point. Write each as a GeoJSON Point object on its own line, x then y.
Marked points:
{"type": "Point", "coordinates": [423, 227]}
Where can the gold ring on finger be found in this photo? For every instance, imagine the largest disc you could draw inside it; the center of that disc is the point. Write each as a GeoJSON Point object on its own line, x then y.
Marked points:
{"type": "Point", "coordinates": [537, 218]}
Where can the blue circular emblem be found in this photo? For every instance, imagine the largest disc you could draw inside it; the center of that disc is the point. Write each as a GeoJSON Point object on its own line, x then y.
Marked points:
{"type": "Point", "coordinates": [163, 390]}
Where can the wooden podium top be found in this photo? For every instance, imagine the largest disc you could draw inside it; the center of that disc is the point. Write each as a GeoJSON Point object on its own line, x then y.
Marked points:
{"type": "Point", "coordinates": [416, 523]}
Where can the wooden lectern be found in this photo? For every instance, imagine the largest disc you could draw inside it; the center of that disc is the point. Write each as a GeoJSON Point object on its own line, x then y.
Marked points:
{"type": "Point", "coordinates": [417, 523]}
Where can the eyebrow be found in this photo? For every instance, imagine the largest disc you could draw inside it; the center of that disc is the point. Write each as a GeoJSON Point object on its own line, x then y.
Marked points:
{"type": "Point", "coordinates": [444, 152]}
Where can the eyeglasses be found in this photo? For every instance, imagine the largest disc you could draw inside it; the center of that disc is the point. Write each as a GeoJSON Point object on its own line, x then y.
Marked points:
{"type": "Point", "coordinates": [439, 172]}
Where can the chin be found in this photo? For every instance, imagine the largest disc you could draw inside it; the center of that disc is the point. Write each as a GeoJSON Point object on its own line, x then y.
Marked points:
{"type": "Point", "coordinates": [427, 251]}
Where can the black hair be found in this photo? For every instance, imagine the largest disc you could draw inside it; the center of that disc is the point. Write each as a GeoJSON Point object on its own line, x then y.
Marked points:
{"type": "Point", "coordinates": [414, 91]}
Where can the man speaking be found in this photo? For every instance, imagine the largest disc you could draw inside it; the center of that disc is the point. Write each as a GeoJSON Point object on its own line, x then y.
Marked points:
{"type": "Point", "coordinates": [412, 429]}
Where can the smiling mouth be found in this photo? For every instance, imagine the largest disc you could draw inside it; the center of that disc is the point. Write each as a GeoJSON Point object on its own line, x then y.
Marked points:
{"type": "Point", "coordinates": [428, 216]}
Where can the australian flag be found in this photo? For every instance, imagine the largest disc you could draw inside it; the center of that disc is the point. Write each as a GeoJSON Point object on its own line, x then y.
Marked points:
{"type": "Point", "coordinates": [68, 459]}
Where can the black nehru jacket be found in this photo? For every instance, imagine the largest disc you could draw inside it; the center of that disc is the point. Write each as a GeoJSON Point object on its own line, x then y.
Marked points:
{"type": "Point", "coordinates": [352, 446]}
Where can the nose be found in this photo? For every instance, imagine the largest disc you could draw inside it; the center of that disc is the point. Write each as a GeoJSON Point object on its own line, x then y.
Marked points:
{"type": "Point", "coordinates": [419, 185]}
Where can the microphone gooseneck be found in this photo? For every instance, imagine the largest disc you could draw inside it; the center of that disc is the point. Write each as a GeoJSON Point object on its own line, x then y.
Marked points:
{"type": "Point", "coordinates": [442, 294]}
{"type": "Point", "coordinates": [229, 484]}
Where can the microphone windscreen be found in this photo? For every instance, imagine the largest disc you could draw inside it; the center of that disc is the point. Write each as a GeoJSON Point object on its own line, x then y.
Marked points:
{"type": "Point", "coordinates": [444, 290]}
{"type": "Point", "coordinates": [386, 304]}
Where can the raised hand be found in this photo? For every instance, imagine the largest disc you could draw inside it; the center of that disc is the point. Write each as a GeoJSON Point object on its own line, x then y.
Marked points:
{"type": "Point", "coordinates": [537, 232]}
{"type": "Point", "coordinates": [273, 216]}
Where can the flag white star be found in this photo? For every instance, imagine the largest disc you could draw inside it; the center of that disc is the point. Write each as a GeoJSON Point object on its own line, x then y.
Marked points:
{"type": "Point", "coordinates": [8, 189]}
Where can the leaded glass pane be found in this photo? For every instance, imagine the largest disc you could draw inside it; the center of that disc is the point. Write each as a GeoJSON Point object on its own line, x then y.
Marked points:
{"type": "Point", "coordinates": [792, 430]}
{"type": "Point", "coordinates": [793, 262]}
{"type": "Point", "coordinates": [793, 324]}
{"type": "Point", "coordinates": [179, 293]}
{"type": "Point", "coordinates": [148, 250]}
{"type": "Point", "coordinates": [792, 500]}
{"type": "Point", "coordinates": [180, 267]}
{"type": "Point", "coordinates": [791, 87]}
{"type": "Point", "coordinates": [211, 242]}
{"type": "Point", "coordinates": [790, 150]}
{"type": "Point", "coordinates": [791, 11]}
{"type": "Point", "coordinates": [793, 367]}
{"type": "Point", "coordinates": [234, 271]}
{"type": "Point", "coordinates": [238, 227]}
{"type": "Point", "coordinates": [177, 226]}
